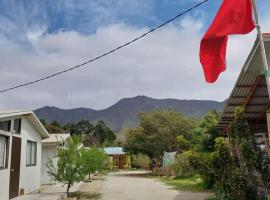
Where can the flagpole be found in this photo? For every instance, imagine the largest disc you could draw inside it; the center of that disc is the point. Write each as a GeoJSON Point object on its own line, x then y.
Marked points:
{"type": "Point", "coordinates": [261, 43]}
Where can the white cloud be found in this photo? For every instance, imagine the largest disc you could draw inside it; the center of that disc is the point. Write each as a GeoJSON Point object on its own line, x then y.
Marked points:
{"type": "Point", "coordinates": [165, 64]}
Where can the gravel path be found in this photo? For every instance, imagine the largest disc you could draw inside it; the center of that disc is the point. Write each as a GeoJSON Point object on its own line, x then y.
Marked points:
{"type": "Point", "coordinates": [136, 186]}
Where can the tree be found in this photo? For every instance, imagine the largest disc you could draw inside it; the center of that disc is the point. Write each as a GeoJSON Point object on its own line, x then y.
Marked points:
{"type": "Point", "coordinates": [93, 160]}
{"type": "Point", "coordinates": [56, 124]}
{"type": "Point", "coordinates": [83, 127]}
{"type": "Point", "coordinates": [157, 133]}
{"type": "Point", "coordinates": [69, 168]}
{"type": "Point", "coordinates": [53, 127]}
{"type": "Point", "coordinates": [104, 132]}
{"type": "Point", "coordinates": [208, 131]}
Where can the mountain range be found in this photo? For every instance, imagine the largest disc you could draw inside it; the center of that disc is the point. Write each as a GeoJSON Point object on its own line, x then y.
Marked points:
{"type": "Point", "coordinates": [125, 112]}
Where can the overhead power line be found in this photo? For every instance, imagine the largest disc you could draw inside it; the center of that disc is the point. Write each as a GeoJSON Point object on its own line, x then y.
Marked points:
{"type": "Point", "coordinates": [106, 53]}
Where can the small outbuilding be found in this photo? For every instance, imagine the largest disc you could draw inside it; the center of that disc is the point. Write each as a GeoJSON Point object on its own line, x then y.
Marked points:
{"type": "Point", "coordinates": [21, 134]}
{"type": "Point", "coordinates": [49, 152]}
{"type": "Point", "coordinates": [117, 158]}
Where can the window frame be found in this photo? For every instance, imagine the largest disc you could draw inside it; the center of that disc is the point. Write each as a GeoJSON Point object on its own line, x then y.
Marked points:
{"type": "Point", "coordinates": [9, 125]}
{"type": "Point", "coordinates": [6, 153]}
{"type": "Point", "coordinates": [19, 125]}
{"type": "Point", "coordinates": [32, 143]}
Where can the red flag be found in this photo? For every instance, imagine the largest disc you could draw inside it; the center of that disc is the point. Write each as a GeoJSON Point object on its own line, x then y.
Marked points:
{"type": "Point", "coordinates": [233, 17]}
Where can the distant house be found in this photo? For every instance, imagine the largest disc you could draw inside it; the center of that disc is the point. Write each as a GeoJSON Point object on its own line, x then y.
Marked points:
{"type": "Point", "coordinates": [21, 134]}
{"type": "Point", "coordinates": [117, 158]}
{"type": "Point", "coordinates": [49, 151]}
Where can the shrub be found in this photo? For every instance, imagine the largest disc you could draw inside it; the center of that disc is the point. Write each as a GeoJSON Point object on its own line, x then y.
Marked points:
{"type": "Point", "coordinates": [140, 160]}
{"type": "Point", "coordinates": [182, 166]}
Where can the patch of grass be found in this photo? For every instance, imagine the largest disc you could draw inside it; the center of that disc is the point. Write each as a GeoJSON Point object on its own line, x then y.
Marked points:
{"type": "Point", "coordinates": [190, 183]}
{"type": "Point", "coordinates": [212, 198]}
{"type": "Point", "coordinates": [86, 195]}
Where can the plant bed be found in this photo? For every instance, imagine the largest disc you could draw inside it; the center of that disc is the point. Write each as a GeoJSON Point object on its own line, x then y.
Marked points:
{"type": "Point", "coordinates": [189, 183]}
{"type": "Point", "coordinates": [85, 195]}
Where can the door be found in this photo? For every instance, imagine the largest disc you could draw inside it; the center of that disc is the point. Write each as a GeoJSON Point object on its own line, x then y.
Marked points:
{"type": "Point", "coordinates": [15, 167]}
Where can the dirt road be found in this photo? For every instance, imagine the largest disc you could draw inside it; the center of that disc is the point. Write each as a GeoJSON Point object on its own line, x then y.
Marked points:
{"type": "Point", "coordinates": [137, 186]}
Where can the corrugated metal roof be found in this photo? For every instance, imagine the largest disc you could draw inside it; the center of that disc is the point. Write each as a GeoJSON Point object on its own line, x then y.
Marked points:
{"type": "Point", "coordinates": [114, 150]}
{"type": "Point", "coordinates": [250, 89]}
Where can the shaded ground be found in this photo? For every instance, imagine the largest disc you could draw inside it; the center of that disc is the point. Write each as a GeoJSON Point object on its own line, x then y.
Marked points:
{"type": "Point", "coordinates": [49, 192]}
{"type": "Point", "coordinates": [135, 185]}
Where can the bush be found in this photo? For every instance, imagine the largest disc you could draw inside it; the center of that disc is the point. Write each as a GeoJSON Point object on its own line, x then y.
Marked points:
{"type": "Point", "coordinates": [141, 161]}
{"type": "Point", "coordinates": [182, 166]}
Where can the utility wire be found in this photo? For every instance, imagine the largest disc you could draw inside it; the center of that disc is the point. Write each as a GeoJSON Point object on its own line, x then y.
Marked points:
{"type": "Point", "coordinates": [107, 53]}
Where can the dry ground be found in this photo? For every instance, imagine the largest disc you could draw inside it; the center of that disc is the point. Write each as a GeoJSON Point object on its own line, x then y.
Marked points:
{"type": "Point", "coordinates": [135, 186]}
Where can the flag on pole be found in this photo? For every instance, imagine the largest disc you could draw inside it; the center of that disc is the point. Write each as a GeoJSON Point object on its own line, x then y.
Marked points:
{"type": "Point", "coordinates": [233, 17]}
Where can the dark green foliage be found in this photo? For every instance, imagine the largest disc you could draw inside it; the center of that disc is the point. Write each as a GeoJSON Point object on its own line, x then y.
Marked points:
{"type": "Point", "coordinates": [209, 130]}
{"type": "Point", "coordinates": [104, 132]}
{"type": "Point", "coordinates": [56, 124]}
{"type": "Point", "coordinates": [157, 133]}
{"type": "Point", "coordinates": [83, 127]}
{"type": "Point", "coordinates": [92, 134]}
{"type": "Point", "coordinates": [53, 127]}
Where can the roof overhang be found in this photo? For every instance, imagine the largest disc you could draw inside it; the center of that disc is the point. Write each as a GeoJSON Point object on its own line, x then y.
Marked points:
{"type": "Point", "coordinates": [250, 90]}
{"type": "Point", "coordinates": [30, 115]}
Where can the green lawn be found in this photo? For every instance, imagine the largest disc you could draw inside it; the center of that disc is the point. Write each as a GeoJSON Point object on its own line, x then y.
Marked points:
{"type": "Point", "coordinates": [191, 183]}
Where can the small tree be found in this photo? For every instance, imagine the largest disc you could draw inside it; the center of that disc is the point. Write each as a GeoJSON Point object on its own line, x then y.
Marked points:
{"type": "Point", "coordinates": [69, 168]}
{"type": "Point", "coordinates": [93, 160]}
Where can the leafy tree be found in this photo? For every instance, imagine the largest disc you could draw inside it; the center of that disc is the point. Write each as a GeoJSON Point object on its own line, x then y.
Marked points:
{"type": "Point", "coordinates": [157, 133]}
{"type": "Point", "coordinates": [53, 127]}
{"type": "Point", "coordinates": [69, 168]}
{"type": "Point", "coordinates": [92, 133]}
{"type": "Point", "coordinates": [93, 160]}
{"type": "Point", "coordinates": [183, 143]}
{"type": "Point", "coordinates": [208, 131]}
{"type": "Point", "coordinates": [56, 124]}
{"type": "Point", "coordinates": [104, 132]}
{"type": "Point", "coordinates": [209, 122]}
{"type": "Point", "coordinates": [83, 127]}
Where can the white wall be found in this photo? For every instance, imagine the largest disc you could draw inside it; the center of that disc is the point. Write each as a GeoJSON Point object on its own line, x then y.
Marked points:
{"type": "Point", "coordinates": [30, 177]}
{"type": "Point", "coordinates": [5, 173]}
{"type": "Point", "coordinates": [48, 152]}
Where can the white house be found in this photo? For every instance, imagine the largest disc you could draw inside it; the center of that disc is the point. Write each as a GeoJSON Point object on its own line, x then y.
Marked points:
{"type": "Point", "coordinates": [21, 134]}
{"type": "Point", "coordinates": [49, 151]}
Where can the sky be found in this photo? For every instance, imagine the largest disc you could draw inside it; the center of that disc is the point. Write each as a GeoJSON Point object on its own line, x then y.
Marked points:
{"type": "Point", "coordinates": [41, 37]}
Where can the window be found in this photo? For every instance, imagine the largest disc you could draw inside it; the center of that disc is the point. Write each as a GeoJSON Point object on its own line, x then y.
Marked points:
{"type": "Point", "coordinates": [31, 153]}
{"type": "Point", "coordinates": [5, 125]}
{"type": "Point", "coordinates": [3, 151]}
{"type": "Point", "coordinates": [17, 125]}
